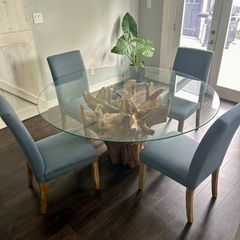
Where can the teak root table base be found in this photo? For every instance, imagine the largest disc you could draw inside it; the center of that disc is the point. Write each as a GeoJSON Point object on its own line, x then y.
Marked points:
{"type": "Point", "coordinates": [126, 151]}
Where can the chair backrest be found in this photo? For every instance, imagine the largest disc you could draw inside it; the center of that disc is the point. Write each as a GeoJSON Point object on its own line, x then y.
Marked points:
{"type": "Point", "coordinates": [62, 65]}
{"type": "Point", "coordinates": [211, 150]}
{"type": "Point", "coordinates": [69, 69]}
{"type": "Point", "coordinates": [194, 62]}
{"type": "Point", "coordinates": [24, 139]}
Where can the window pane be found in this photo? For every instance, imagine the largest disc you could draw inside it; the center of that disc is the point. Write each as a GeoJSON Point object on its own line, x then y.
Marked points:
{"type": "Point", "coordinates": [197, 1]}
{"type": "Point", "coordinates": [191, 1]}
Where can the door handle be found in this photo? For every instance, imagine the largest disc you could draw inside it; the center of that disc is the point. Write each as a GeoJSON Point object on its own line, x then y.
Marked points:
{"type": "Point", "coordinates": [211, 42]}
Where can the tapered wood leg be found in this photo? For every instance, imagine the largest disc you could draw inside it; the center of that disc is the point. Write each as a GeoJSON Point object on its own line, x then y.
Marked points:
{"type": "Point", "coordinates": [180, 126]}
{"type": "Point", "coordinates": [64, 121]}
{"type": "Point", "coordinates": [189, 204]}
{"type": "Point", "coordinates": [142, 175]}
{"type": "Point", "coordinates": [87, 133]}
{"type": "Point", "coordinates": [95, 175]}
{"type": "Point", "coordinates": [215, 183]}
{"type": "Point", "coordinates": [43, 192]}
{"type": "Point", "coordinates": [30, 175]}
{"type": "Point", "coordinates": [198, 114]}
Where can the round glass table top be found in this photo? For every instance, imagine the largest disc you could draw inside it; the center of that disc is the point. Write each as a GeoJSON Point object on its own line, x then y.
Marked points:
{"type": "Point", "coordinates": [128, 104]}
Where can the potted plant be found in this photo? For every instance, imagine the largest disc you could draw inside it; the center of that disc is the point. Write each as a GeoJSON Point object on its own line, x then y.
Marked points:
{"type": "Point", "coordinates": [130, 45]}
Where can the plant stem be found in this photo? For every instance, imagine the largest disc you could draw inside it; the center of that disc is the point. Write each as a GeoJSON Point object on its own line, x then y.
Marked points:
{"type": "Point", "coordinates": [134, 60]}
{"type": "Point", "coordinates": [130, 59]}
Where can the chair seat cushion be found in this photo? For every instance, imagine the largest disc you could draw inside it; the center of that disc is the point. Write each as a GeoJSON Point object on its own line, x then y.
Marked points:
{"type": "Point", "coordinates": [65, 152]}
{"type": "Point", "coordinates": [72, 108]}
{"type": "Point", "coordinates": [180, 109]}
{"type": "Point", "coordinates": [172, 156]}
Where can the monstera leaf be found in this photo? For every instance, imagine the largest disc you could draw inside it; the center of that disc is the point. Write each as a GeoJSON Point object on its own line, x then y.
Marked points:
{"type": "Point", "coordinates": [129, 25]}
{"type": "Point", "coordinates": [146, 48]}
{"type": "Point", "coordinates": [123, 46]}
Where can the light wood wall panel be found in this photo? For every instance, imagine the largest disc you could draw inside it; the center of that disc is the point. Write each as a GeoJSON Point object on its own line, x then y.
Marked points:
{"type": "Point", "coordinates": [3, 67]}
{"type": "Point", "coordinates": [9, 39]}
{"type": "Point", "coordinates": [18, 103]}
{"type": "Point", "coordinates": [22, 15]}
{"type": "Point", "coordinates": [12, 19]}
{"type": "Point", "coordinates": [4, 28]}
{"type": "Point", "coordinates": [33, 67]}
{"type": "Point", "coordinates": [20, 79]}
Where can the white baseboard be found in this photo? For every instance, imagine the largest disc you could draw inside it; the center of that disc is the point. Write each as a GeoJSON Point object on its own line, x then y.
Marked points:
{"type": "Point", "coordinates": [23, 115]}
{"type": "Point", "coordinates": [106, 83]}
{"type": "Point", "coordinates": [54, 102]}
{"type": "Point", "coordinates": [2, 124]}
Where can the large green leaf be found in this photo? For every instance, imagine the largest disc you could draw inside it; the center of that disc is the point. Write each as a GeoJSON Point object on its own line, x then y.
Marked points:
{"type": "Point", "coordinates": [123, 46]}
{"type": "Point", "coordinates": [129, 25]}
{"type": "Point", "coordinates": [136, 40]}
{"type": "Point", "coordinates": [146, 48]}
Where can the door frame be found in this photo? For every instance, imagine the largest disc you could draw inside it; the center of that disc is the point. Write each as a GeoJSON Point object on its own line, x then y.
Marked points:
{"type": "Point", "coordinates": [172, 20]}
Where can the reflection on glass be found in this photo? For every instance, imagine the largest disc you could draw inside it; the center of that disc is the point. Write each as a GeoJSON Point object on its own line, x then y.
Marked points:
{"type": "Point", "coordinates": [215, 101]}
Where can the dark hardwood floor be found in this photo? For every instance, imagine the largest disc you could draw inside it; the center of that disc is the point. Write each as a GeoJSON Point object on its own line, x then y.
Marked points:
{"type": "Point", "coordinates": [118, 211]}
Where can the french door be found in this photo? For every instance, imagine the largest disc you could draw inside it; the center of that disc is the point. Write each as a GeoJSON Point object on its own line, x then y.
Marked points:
{"type": "Point", "coordinates": [218, 29]}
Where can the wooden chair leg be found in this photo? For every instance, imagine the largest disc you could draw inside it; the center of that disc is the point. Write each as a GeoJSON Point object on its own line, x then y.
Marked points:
{"type": "Point", "coordinates": [87, 133]}
{"type": "Point", "coordinates": [189, 204]}
{"type": "Point", "coordinates": [198, 113]}
{"type": "Point", "coordinates": [43, 193]}
{"type": "Point", "coordinates": [30, 175]}
{"type": "Point", "coordinates": [95, 175]}
{"type": "Point", "coordinates": [142, 175]}
{"type": "Point", "coordinates": [215, 183]}
{"type": "Point", "coordinates": [180, 126]}
{"type": "Point", "coordinates": [64, 121]}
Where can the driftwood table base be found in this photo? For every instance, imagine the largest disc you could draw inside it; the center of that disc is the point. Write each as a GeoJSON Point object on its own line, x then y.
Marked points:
{"type": "Point", "coordinates": [126, 152]}
{"type": "Point", "coordinates": [123, 119]}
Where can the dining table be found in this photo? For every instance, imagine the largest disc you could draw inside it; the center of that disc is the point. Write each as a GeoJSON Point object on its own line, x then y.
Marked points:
{"type": "Point", "coordinates": [123, 107]}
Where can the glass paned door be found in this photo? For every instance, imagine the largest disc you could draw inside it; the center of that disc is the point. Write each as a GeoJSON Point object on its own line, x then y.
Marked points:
{"type": "Point", "coordinates": [197, 23]}
{"type": "Point", "coordinates": [216, 28]}
{"type": "Point", "coordinates": [229, 74]}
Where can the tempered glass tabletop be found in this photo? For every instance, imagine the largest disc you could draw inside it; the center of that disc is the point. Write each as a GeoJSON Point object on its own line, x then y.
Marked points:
{"type": "Point", "coordinates": [127, 104]}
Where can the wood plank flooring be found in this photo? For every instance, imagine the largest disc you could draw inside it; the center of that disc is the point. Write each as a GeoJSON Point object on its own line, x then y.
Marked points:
{"type": "Point", "coordinates": [118, 211]}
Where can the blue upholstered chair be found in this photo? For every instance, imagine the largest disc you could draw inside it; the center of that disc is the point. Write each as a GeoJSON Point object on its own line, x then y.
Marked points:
{"type": "Point", "coordinates": [52, 156]}
{"type": "Point", "coordinates": [189, 162]}
{"type": "Point", "coordinates": [68, 68]}
{"type": "Point", "coordinates": [194, 62]}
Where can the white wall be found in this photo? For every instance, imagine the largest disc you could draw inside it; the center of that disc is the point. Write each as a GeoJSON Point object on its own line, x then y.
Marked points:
{"type": "Point", "coordinates": [91, 26]}
{"type": "Point", "coordinates": [150, 25]}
